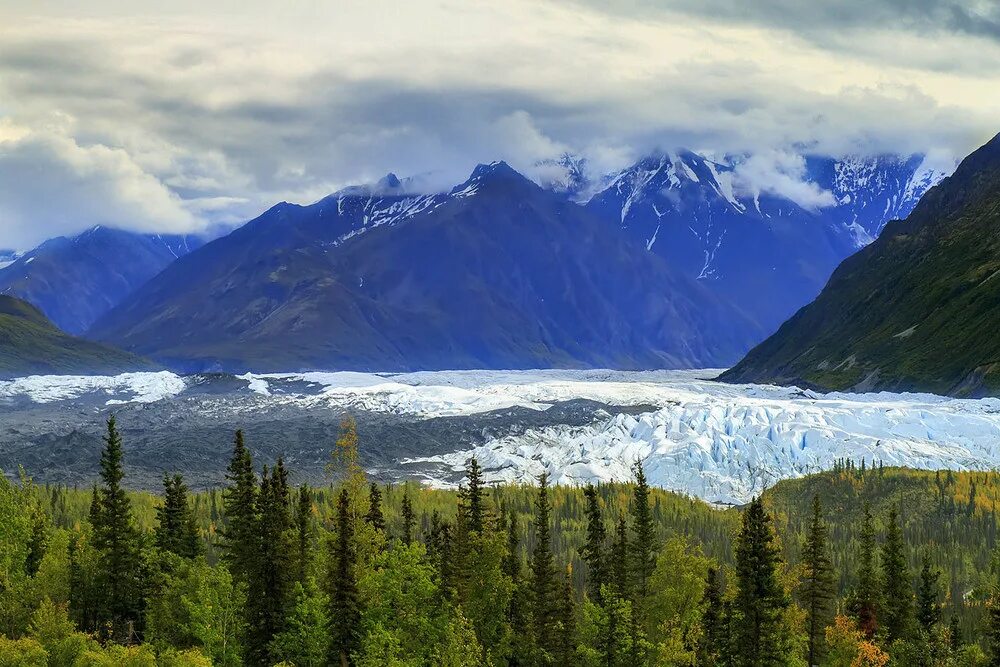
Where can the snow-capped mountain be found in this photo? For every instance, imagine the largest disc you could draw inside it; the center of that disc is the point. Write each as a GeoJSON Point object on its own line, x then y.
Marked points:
{"type": "Point", "coordinates": [871, 191]}
{"type": "Point", "coordinates": [74, 280]}
{"type": "Point", "coordinates": [495, 273]}
{"type": "Point", "coordinates": [716, 222]}
{"type": "Point", "coordinates": [8, 257]}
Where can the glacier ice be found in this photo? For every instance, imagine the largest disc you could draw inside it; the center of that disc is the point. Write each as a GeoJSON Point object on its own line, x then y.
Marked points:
{"type": "Point", "coordinates": [720, 442]}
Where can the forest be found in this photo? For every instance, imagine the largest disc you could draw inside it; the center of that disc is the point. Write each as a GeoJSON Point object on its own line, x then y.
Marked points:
{"type": "Point", "coordinates": [862, 565]}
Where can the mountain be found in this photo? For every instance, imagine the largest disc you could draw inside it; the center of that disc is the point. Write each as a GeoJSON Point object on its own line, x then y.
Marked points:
{"type": "Point", "coordinates": [30, 344]}
{"type": "Point", "coordinates": [915, 310]}
{"type": "Point", "coordinates": [762, 251]}
{"type": "Point", "coordinates": [869, 191]}
{"type": "Point", "coordinates": [496, 273]}
{"type": "Point", "coordinates": [74, 280]}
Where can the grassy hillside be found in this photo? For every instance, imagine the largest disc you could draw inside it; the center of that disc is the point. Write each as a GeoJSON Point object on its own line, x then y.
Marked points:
{"type": "Point", "coordinates": [31, 344]}
{"type": "Point", "coordinates": [916, 310]}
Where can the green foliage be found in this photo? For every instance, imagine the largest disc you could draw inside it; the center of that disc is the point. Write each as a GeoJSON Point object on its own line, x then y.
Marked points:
{"type": "Point", "coordinates": [305, 641]}
{"type": "Point", "coordinates": [455, 595]}
{"type": "Point", "coordinates": [817, 587]}
{"type": "Point", "coordinates": [760, 600]}
{"type": "Point", "coordinates": [119, 572]}
{"type": "Point", "coordinates": [176, 530]}
{"type": "Point", "coordinates": [897, 593]}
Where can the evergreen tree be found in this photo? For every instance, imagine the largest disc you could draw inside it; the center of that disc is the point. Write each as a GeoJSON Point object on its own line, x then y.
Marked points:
{"type": "Point", "coordinates": [176, 530]}
{"type": "Point", "coordinates": [817, 591]}
{"type": "Point", "coordinates": [474, 497]}
{"type": "Point", "coordinates": [345, 612]}
{"type": "Point", "coordinates": [897, 594]}
{"type": "Point", "coordinates": [375, 517]}
{"type": "Point", "coordinates": [954, 635]}
{"type": "Point", "coordinates": [303, 534]}
{"type": "Point", "coordinates": [993, 627]}
{"type": "Point", "coordinates": [406, 511]}
{"type": "Point", "coordinates": [518, 610]}
{"type": "Point", "coordinates": [928, 592]}
{"type": "Point", "coordinates": [240, 534]}
{"type": "Point", "coordinates": [271, 585]}
{"type": "Point", "coordinates": [864, 599]}
{"type": "Point", "coordinates": [760, 601]}
{"type": "Point", "coordinates": [593, 549]}
{"type": "Point", "coordinates": [566, 651]}
{"type": "Point", "coordinates": [713, 643]}
{"type": "Point", "coordinates": [545, 588]}
{"type": "Point", "coordinates": [620, 551]}
{"type": "Point", "coordinates": [643, 548]}
{"type": "Point", "coordinates": [120, 573]}
{"type": "Point", "coordinates": [38, 544]}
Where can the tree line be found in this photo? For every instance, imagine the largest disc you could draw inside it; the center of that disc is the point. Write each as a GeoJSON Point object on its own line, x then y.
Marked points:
{"type": "Point", "coordinates": [309, 577]}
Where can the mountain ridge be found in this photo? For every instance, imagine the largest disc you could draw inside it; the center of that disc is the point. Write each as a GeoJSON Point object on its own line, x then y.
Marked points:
{"type": "Point", "coordinates": [496, 273]}
{"type": "Point", "coordinates": [915, 310]}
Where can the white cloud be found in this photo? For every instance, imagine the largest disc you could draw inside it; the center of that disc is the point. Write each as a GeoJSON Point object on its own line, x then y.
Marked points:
{"type": "Point", "coordinates": [783, 174]}
{"type": "Point", "coordinates": [50, 185]}
{"type": "Point", "coordinates": [221, 109]}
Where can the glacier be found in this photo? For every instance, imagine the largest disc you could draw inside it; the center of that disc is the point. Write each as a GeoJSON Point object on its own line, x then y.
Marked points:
{"type": "Point", "coordinates": [720, 442]}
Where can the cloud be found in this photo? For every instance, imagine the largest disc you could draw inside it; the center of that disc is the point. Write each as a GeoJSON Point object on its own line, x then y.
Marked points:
{"type": "Point", "coordinates": [783, 174]}
{"type": "Point", "coordinates": [222, 110]}
{"type": "Point", "coordinates": [51, 185]}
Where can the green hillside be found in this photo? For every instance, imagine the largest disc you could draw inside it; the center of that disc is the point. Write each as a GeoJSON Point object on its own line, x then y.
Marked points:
{"type": "Point", "coordinates": [30, 344]}
{"type": "Point", "coordinates": [918, 309]}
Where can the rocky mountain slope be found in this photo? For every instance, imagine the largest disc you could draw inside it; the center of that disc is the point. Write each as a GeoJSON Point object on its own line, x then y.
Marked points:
{"type": "Point", "coordinates": [918, 309]}
{"type": "Point", "coordinates": [497, 273]}
{"type": "Point", "coordinates": [75, 280]}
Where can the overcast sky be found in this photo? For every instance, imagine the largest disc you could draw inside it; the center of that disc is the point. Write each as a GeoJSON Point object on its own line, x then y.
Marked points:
{"type": "Point", "coordinates": [209, 112]}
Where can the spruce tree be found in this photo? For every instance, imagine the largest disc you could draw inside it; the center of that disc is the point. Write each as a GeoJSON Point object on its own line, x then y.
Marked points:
{"type": "Point", "coordinates": [593, 552]}
{"type": "Point", "coordinates": [38, 543]}
{"type": "Point", "coordinates": [374, 517]}
{"type": "Point", "coordinates": [303, 534]}
{"type": "Point", "coordinates": [474, 497]}
{"type": "Point", "coordinates": [545, 588]}
{"type": "Point", "coordinates": [928, 592]}
{"type": "Point", "coordinates": [566, 651]}
{"type": "Point", "coordinates": [897, 594]}
{"type": "Point", "coordinates": [120, 575]}
{"type": "Point", "coordinates": [345, 613]}
{"type": "Point", "coordinates": [713, 642]}
{"type": "Point", "coordinates": [176, 530]}
{"type": "Point", "coordinates": [620, 552]}
{"type": "Point", "coordinates": [817, 588]}
{"type": "Point", "coordinates": [643, 548]}
{"type": "Point", "coordinates": [760, 601]}
{"type": "Point", "coordinates": [241, 530]}
{"type": "Point", "coordinates": [954, 635]}
{"type": "Point", "coordinates": [864, 601]}
{"type": "Point", "coordinates": [269, 590]}
{"type": "Point", "coordinates": [406, 511]}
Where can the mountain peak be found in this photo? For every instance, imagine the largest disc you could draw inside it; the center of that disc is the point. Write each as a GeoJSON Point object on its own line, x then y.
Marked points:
{"type": "Point", "coordinates": [389, 182]}
{"type": "Point", "coordinates": [498, 172]}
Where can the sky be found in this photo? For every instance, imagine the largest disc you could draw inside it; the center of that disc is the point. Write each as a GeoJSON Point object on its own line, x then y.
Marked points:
{"type": "Point", "coordinates": [205, 113]}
